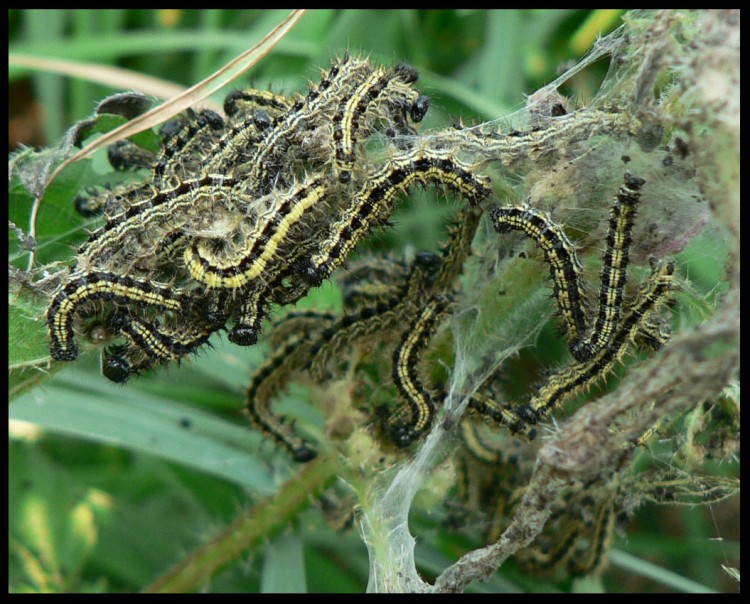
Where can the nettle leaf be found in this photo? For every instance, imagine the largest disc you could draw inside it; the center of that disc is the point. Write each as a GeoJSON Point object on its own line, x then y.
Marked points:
{"type": "Point", "coordinates": [28, 351]}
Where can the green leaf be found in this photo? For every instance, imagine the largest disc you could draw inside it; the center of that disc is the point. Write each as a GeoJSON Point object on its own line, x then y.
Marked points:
{"type": "Point", "coordinates": [52, 525]}
{"type": "Point", "coordinates": [284, 565]}
{"type": "Point", "coordinates": [87, 407]}
{"type": "Point", "coordinates": [27, 330]}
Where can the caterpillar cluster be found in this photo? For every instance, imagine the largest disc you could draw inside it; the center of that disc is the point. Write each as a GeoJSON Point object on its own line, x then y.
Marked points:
{"type": "Point", "coordinates": [402, 305]}
{"type": "Point", "coordinates": [413, 300]}
{"type": "Point", "coordinates": [255, 210]}
{"type": "Point", "coordinates": [242, 213]}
